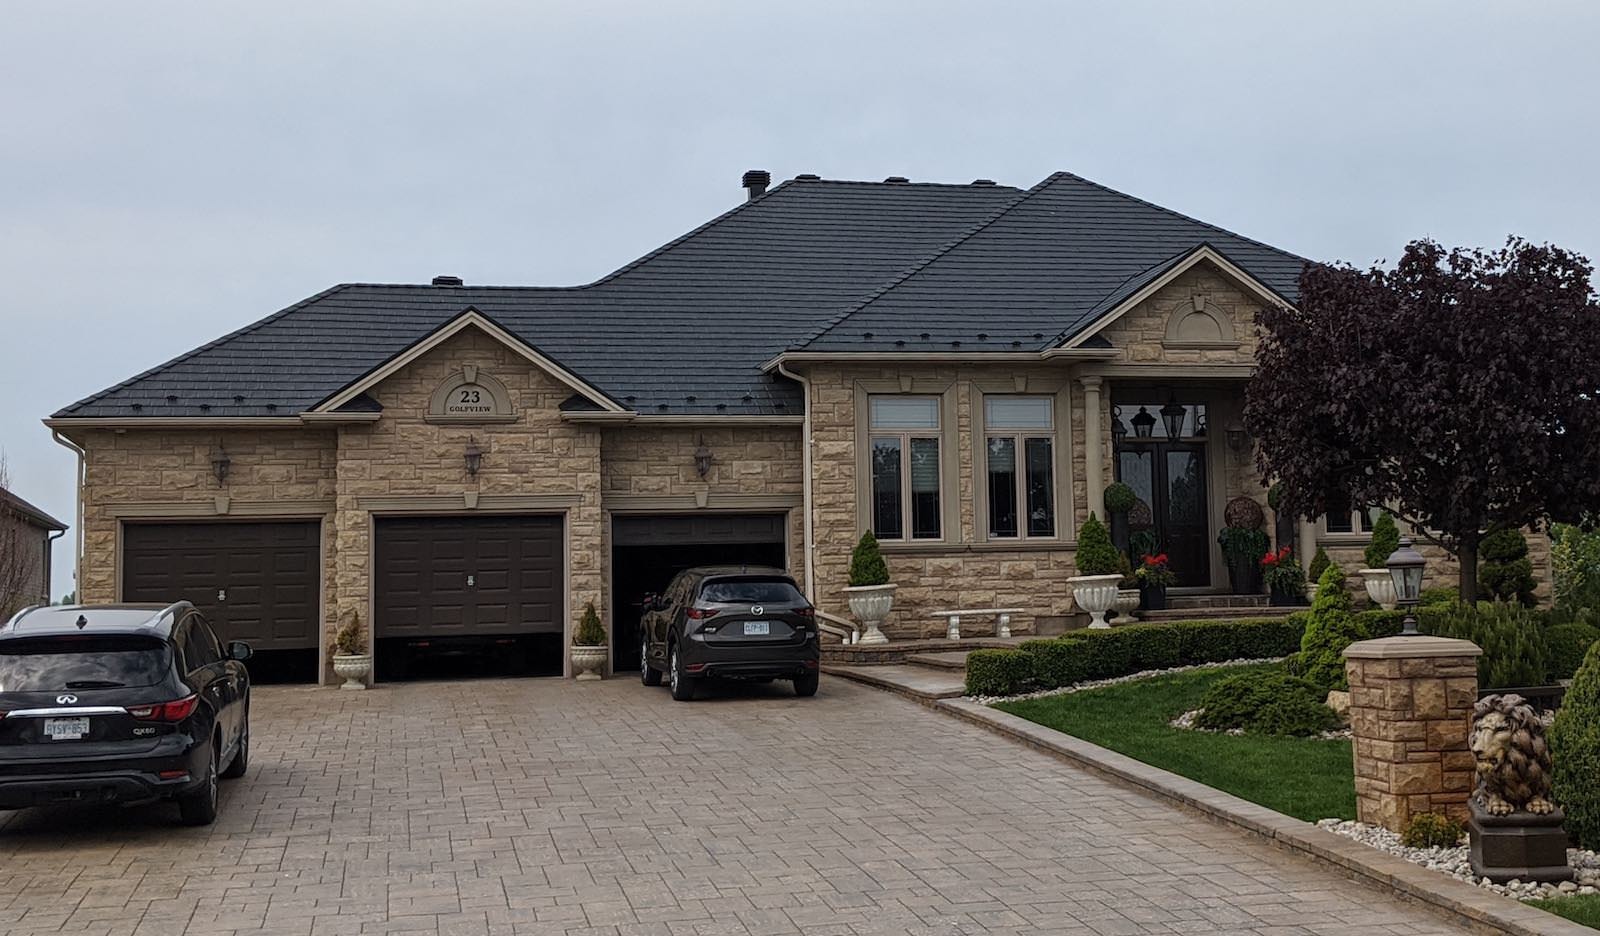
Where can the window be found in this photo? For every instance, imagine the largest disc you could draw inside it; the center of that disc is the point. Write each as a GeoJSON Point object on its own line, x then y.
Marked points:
{"type": "Point", "coordinates": [905, 467]}
{"type": "Point", "coordinates": [1019, 466]}
{"type": "Point", "coordinates": [1343, 518]}
{"type": "Point", "coordinates": [750, 591]}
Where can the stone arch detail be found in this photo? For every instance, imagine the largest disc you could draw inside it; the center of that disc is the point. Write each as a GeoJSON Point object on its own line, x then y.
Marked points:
{"type": "Point", "coordinates": [470, 396]}
{"type": "Point", "coordinates": [1200, 325]}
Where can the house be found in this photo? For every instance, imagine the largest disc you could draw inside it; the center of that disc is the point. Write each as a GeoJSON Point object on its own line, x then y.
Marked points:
{"type": "Point", "coordinates": [961, 368]}
{"type": "Point", "coordinates": [26, 534]}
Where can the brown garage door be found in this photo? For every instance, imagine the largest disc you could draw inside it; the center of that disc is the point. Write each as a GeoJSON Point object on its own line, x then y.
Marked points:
{"type": "Point", "coordinates": [257, 582]}
{"type": "Point", "coordinates": [438, 576]}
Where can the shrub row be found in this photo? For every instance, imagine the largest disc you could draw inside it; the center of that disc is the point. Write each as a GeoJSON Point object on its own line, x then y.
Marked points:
{"type": "Point", "coordinates": [1050, 663]}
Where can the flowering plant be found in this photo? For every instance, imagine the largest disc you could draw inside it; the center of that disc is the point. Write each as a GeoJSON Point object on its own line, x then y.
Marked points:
{"type": "Point", "coordinates": [1153, 572]}
{"type": "Point", "coordinates": [1283, 573]}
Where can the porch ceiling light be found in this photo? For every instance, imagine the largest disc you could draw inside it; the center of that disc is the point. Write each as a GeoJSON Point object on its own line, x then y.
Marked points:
{"type": "Point", "coordinates": [1405, 566]}
{"type": "Point", "coordinates": [474, 456]}
{"type": "Point", "coordinates": [220, 462]}
{"type": "Point", "coordinates": [702, 459]}
{"type": "Point", "coordinates": [1173, 416]}
{"type": "Point", "coordinates": [1143, 423]}
{"type": "Point", "coordinates": [1238, 439]}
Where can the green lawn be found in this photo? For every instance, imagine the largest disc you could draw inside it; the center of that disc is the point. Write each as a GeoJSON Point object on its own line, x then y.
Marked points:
{"type": "Point", "coordinates": [1581, 908]}
{"type": "Point", "coordinates": [1305, 778]}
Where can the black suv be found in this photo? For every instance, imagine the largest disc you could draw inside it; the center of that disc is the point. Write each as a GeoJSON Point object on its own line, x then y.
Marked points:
{"type": "Point", "coordinates": [740, 622]}
{"type": "Point", "coordinates": [120, 704]}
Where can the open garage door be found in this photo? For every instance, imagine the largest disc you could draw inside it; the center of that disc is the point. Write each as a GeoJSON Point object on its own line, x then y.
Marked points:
{"type": "Point", "coordinates": [257, 582]}
{"type": "Point", "coordinates": [466, 596]}
{"type": "Point", "coordinates": [648, 550]}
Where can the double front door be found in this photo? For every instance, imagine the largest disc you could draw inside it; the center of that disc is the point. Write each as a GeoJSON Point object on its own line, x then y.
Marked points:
{"type": "Point", "coordinates": [1170, 477]}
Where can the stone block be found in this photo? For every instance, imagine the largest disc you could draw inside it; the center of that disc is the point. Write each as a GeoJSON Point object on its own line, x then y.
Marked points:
{"type": "Point", "coordinates": [1417, 778]}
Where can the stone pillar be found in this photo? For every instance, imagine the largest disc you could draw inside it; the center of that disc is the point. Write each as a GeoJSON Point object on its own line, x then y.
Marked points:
{"type": "Point", "coordinates": [1411, 704]}
{"type": "Point", "coordinates": [1093, 458]}
{"type": "Point", "coordinates": [1307, 546]}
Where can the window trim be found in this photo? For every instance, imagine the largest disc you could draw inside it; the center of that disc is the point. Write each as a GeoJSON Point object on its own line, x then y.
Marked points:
{"type": "Point", "coordinates": [906, 438]}
{"type": "Point", "coordinates": [1062, 458]}
{"type": "Point", "coordinates": [1020, 438]}
{"type": "Point", "coordinates": [944, 390]}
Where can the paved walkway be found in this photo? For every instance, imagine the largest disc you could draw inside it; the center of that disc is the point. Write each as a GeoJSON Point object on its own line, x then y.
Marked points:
{"type": "Point", "coordinates": [543, 806]}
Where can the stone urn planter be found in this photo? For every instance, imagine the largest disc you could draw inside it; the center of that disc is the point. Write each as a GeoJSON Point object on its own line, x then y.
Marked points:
{"type": "Point", "coordinates": [1380, 587]}
{"type": "Point", "coordinates": [1095, 594]}
{"type": "Point", "coordinates": [870, 604]}
{"type": "Point", "coordinates": [353, 668]}
{"type": "Point", "coordinates": [1127, 601]}
{"type": "Point", "coordinates": [589, 662]}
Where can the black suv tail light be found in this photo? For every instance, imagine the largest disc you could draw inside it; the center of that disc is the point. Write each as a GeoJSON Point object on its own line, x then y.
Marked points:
{"type": "Point", "coordinates": [174, 711]}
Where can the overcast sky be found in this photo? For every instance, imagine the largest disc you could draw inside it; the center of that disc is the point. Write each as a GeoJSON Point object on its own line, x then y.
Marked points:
{"type": "Point", "coordinates": [172, 171]}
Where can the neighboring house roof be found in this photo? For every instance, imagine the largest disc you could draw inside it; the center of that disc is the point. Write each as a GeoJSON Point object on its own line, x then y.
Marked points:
{"type": "Point", "coordinates": [33, 515]}
{"type": "Point", "coordinates": [684, 330]}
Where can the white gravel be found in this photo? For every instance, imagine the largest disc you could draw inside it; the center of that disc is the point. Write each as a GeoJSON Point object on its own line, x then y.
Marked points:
{"type": "Point", "coordinates": [1453, 861]}
{"type": "Point", "coordinates": [1132, 677]}
{"type": "Point", "coordinates": [1186, 722]}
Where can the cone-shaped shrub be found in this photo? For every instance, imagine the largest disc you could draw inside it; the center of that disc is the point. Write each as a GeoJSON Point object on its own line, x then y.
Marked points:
{"type": "Point", "coordinates": [1096, 554]}
{"type": "Point", "coordinates": [866, 562]}
{"type": "Point", "coordinates": [589, 632]}
{"type": "Point", "coordinates": [1575, 748]}
{"type": "Point", "coordinates": [1385, 540]}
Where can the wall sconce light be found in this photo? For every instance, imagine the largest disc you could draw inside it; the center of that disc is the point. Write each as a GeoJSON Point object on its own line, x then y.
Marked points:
{"type": "Point", "coordinates": [474, 457]}
{"type": "Point", "coordinates": [1238, 439]}
{"type": "Point", "coordinates": [702, 459]}
{"type": "Point", "coordinates": [220, 463]}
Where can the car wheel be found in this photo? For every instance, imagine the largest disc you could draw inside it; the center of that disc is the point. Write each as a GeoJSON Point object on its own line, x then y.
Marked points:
{"type": "Point", "coordinates": [200, 807]}
{"type": "Point", "coordinates": [648, 674]}
{"type": "Point", "coordinates": [241, 757]}
{"type": "Point", "coordinates": [806, 686]}
{"type": "Point", "coordinates": [682, 683]}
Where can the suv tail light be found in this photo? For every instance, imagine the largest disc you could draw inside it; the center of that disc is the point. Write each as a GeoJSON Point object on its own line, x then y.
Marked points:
{"type": "Point", "coordinates": [174, 711]}
{"type": "Point", "coordinates": [702, 614]}
{"type": "Point", "coordinates": [806, 612]}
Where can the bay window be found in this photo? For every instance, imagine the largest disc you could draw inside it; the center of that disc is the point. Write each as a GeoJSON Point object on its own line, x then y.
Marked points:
{"type": "Point", "coordinates": [1019, 465]}
{"type": "Point", "coordinates": [905, 467]}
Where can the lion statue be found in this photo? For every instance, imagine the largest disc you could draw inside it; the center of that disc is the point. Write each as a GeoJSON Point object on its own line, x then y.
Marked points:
{"type": "Point", "coordinates": [1513, 758]}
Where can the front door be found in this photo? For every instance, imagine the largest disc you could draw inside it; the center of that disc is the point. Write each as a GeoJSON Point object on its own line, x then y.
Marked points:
{"type": "Point", "coordinates": [1171, 478]}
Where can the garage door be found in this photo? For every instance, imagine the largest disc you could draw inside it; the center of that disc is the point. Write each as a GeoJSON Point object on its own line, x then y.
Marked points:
{"type": "Point", "coordinates": [257, 582]}
{"type": "Point", "coordinates": [440, 576]}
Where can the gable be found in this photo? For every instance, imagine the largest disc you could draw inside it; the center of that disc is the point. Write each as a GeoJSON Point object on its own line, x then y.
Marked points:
{"type": "Point", "coordinates": [1200, 316]}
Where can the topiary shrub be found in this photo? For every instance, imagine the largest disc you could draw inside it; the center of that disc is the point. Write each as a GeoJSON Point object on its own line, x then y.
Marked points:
{"type": "Point", "coordinates": [866, 562]}
{"type": "Point", "coordinates": [1096, 555]}
{"type": "Point", "coordinates": [589, 632]}
{"type": "Point", "coordinates": [1119, 498]}
{"type": "Point", "coordinates": [1432, 830]}
{"type": "Point", "coordinates": [1575, 749]}
{"type": "Point", "coordinates": [1385, 540]}
{"type": "Point", "coordinates": [1513, 642]}
{"type": "Point", "coordinates": [1376, 622]}
{"type": "Point", "coordinates": [999, 672]}
{"type": "Point", "coordinates": [1266, 703]}
{"type": "Point", "coordinates": [1567, 645]}
{"type": "Point", "coordinates": [1504, 569]}
{"type": "Point", "coordinates": [1331, 626]}
{"type": "Point", "coordinates": [1319, 565]}
{"type": "Point", "coordinates": [350, 639]}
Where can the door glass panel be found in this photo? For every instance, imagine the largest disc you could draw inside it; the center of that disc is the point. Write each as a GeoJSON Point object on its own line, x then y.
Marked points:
{"type": "Point", "coordinates": [1134, 468]}
{"type": "Point", "coordinates": [886, 517]}
{"type": "Point", "coordinates": [1041, 502]}
{"type": "Point", "coordinates": [1184, 493]}
{"type": "Point", "coordinates": [925, 488]}
{"type": "Point", "coordinates": [1002, 487]}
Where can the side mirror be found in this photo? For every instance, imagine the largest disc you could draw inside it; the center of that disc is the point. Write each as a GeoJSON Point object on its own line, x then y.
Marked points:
{"type": "Point", "coordinates": [648, 602]}
{"type": "Point", "coordinates": [239, 650]}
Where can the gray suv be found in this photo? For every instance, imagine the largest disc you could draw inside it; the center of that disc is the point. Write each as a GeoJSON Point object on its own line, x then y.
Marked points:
{"type": "Point", "coordinates": [729, 621]}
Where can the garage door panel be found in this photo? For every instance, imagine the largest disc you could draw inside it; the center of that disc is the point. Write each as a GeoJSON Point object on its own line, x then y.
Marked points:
{"type": "Point", "coordinates": [423, 565]}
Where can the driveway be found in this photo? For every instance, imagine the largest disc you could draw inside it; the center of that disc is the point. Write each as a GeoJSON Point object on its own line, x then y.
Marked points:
{"type": "Point", "coordinates": [547, 806]}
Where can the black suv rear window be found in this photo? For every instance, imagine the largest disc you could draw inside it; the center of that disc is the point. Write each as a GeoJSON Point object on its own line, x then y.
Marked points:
{"type": "Point", "coordinates": [771, 591]}
{"type": "Point", "coordinates": [50, 664]}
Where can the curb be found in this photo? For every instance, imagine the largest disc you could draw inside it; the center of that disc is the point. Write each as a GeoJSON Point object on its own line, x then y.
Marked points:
{"type": "Point", "coordinates": [1461, 902]}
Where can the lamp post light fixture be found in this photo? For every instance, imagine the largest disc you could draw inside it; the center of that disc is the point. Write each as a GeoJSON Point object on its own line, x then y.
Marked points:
{"type": "Point", "coordinates": [1119, 429]}
{"type": "Point", "coordinates": [1173, 416]}
{"type": "Point", "coordinates": [1238, 439]}
{"type": "Point", "coordinates": [1143, 423]}
{"type": "Point", "coordinates": [220, 462]}
{"type": "Point", "coordinates": [1405, 566]}
{"type": "Point", "coordinates": [702, 459]}
{"type": "Point", "coordinates": [474, 457]}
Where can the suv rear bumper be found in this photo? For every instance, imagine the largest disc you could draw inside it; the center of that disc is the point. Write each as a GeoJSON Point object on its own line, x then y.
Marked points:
{"type": "Point", "coordinates": [103, 779]}
{"type": "Point", "coordinates": [783, 662]}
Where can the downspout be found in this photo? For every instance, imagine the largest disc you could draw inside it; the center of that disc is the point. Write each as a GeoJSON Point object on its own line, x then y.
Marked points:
{"type": "Point", "coordinates": [77, 558]}
{"type": "Point", "coordinates": [49, 566]}
{"type": "Point", "coordinates": [805, 483]}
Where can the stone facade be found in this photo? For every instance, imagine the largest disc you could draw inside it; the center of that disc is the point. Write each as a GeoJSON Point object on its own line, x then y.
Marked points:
{"type": "Point", "coordinates": [1411, 704]}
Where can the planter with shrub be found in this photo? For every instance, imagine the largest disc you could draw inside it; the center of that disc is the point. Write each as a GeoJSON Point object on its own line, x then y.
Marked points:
{"type": "Point", "coordinates": [1094, 588]}
{"type": "Point", "coordinates": [870, 594]}
{"type": "Point", "coordinates": [1119, 499]}
{"type": "Point", "coordinates": [1376, 577]}
{"type": "Point", "coordinates": [1128, 597]}
{"type": "Point", "coordinates": [589, 649]}
{"type": "Point", "coordinates": [1242, 550]}
{"type": "Point", "coordinates": [1155, 576]}
{"type": "Point", "coordinates": [1286, 581]}
{"type": "Point", "coordinates": [351, 659]}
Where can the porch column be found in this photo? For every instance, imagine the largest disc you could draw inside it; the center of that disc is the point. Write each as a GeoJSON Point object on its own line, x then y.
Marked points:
{"type": "Point", "coordinates": [1308, 543]}
{"type": "Point", "coordinates": [1093, 458]}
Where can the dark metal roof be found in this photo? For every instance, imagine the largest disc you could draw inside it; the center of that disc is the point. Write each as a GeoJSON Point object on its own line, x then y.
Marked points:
{"type": "Point", "coordinates": [684, 329]}
{"type": "Point", "coordinates": [30, 513]}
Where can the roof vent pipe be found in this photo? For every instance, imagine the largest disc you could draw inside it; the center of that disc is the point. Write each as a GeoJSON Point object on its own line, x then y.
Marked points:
{"type": "Point", "coordinates": [447, 281]}
{"type": "Point", "coordinates": [755, 182]}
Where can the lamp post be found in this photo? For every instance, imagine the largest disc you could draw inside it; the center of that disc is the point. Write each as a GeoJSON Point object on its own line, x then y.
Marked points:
{"type": "Point", "coordinates": [1405, 566]}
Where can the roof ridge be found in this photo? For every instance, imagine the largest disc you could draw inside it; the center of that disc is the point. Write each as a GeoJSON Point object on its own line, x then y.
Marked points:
{"type": "Point", "coordinates": [261, 323]}
{"type": "Point", "coordinates": [1166, 263]}
{"type": "Point", "coordinates": [840, 317]}
{"type": "Point", "coordinates": [1177, 214]}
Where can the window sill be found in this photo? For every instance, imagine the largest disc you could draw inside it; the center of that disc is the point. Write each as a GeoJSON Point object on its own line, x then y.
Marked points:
{"type": "Point", "coordinates": [952, 549]}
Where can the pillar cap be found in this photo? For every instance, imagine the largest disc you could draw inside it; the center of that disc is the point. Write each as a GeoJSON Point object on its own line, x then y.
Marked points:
{"type": "Point", "coordinates": [1407, 648]}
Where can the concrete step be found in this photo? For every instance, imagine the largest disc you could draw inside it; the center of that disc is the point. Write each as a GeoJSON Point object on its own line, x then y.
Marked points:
{"type": "Point", "coordinates": [947, 660]}
{"type": "Point", "coordinates": [1215, 614]}
{"type": "Point", "coordinates": [1216, 601]}
{"type": "Point", "coordinates": [919, 683]}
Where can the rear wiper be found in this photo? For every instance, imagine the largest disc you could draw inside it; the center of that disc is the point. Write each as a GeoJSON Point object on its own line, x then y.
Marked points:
{"type": "Point", "coordinates": [94, 684]}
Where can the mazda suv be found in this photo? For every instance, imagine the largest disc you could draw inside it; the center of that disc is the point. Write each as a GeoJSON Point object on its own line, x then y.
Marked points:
{"type": "Point", "coordinates": [729, 621]}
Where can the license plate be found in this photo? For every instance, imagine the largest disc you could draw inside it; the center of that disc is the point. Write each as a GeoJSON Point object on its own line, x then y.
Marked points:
{"type": "Point", "coordinates": [757, 628]}
{"type": "Point", "coordinates": [65, 729]}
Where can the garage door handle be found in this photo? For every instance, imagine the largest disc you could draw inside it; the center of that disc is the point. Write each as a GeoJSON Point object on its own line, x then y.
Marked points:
{"type": "Point", "coordinates": [222, 594]}
{"type": "Point", "coordinates": [472, 580]}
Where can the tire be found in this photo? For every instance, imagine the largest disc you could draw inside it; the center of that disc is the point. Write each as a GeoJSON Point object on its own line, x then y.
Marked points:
{"type": "Point", "coordinates": [200, 807]}
{"type": "Point", "coordinates": [683, 685]}
{"type": "Point", "coordinates": [806, 686]}
{"type": "Point", "coordinates": [648, 674]}
{"type": "Point", "coordinates": [241, 757]}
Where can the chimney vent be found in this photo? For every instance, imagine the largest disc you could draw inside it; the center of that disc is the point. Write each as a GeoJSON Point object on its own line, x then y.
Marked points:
{"type": "Point", "coordinates": [808, 177]}
{"type": "Point", "coordinates": [756, 181]}
{"type": "Point", "coordinates": [897, 179]}
{"type": "Point", "coordinates": [982, 181]}
{"type": "Point", "coordinates": [447, 281]}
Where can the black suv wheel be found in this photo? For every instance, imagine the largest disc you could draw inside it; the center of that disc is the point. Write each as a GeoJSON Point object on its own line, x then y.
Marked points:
{"type": "Point", "coordinates": [683, 685]}
{"type": "Point", "coordinates": [648, 674]}
{"type": "Point", "coordinates": [200, 807]}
